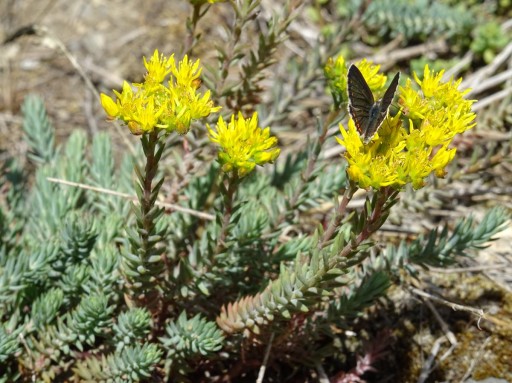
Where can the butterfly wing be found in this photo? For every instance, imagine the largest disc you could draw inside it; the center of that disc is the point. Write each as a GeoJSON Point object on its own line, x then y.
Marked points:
{"type": "Point", "coordinates": [360, 99]}
{"type": "Point", "coordinates": [390, 93]}
{"type": "Point", "coordinates": [380, 109]}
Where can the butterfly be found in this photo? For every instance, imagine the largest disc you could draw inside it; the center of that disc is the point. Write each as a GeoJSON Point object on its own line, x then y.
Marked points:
{"type": "Point", "coordinates": [367, 113]}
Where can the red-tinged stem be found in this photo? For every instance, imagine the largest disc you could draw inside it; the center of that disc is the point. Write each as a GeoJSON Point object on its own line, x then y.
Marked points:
{"type": "Point", "coordinates": [339, 214]}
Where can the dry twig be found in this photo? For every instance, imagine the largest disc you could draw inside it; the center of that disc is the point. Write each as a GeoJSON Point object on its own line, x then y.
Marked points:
{"type": "Point", "coordinates": [134, 198]}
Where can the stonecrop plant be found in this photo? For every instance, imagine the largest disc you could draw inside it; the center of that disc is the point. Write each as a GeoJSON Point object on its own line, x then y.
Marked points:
{"type": "Point", "coordinates": [217, 270]}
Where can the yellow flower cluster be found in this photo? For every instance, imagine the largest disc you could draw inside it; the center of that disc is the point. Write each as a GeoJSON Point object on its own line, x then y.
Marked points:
{"type": "Point", "coordinates": [243, 144]}
{"type": "Point", "coordinates": [335, 72]}
{"type": "Point", "coordinates": [414, 143]}
{"type": "Point", "coordinates": [154, 105]}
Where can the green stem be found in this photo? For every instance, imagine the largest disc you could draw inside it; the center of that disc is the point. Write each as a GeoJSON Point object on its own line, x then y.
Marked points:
{"type": "Point", "coordinates": [229, 196]}
{"type": "Point", "coordinates": [143, 265]}
{"type": "Point", "coordinates": [227, 60]}
{"type": "Point", "coordinates": [370, 226]}
{"type": "Point", "coordinates": [150, 171]}
{"type": "Point", "coordinates": [190, 39]}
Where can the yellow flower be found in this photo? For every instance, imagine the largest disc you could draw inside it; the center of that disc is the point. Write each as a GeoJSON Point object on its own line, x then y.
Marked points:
{"type": "Point", "coordinates": [243, 144]}
{"type": "Point", "coordinates": [430, 83]}
{"type": "Point", "coordinates": [158, 68]}
{"type": "Point", "coordinates": [413, 104]}
{"type": "Point", "coordinates": [186, 74]}
{"type": "Point", "coordinates": [186, 105]}
{"type": "Point", "coordinates": [153, 105]}
{"type": "Point", "coordinates": [111, 108]}
{"type": "Point", "coordinates": [414, 143]}
{"type": "Point", "coordinates": [146, 114]}
{"type": "Point", "coordinates": [442, 158]}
